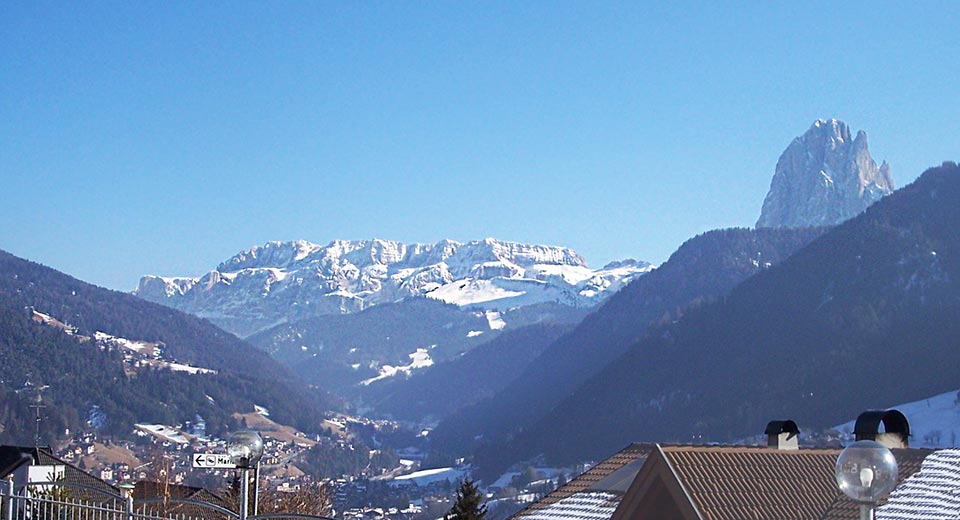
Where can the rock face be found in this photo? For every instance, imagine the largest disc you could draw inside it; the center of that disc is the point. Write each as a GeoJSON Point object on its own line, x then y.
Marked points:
{"type": "Point", "coordinates": [824, 178]}
{"type": "Point", "coordinates": [287, 281]}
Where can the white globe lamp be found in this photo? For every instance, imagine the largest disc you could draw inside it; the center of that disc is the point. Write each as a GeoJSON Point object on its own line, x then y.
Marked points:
{"type": "Point", "coordinates": [245, 448]}
{"type": "Point", "coordinates": [866, 471]}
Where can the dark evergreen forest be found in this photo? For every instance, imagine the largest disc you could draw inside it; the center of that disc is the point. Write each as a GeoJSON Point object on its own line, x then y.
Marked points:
{"type": "Point", "coordinates": [701, 270]}
{"type": "Point", "coordinates": [80, 374]}
{"type": "Point", "coordinates": [866, 316]}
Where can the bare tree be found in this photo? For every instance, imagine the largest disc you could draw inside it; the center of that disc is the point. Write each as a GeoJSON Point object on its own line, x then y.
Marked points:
{"type": "Point", "coordinates": [309, 499]}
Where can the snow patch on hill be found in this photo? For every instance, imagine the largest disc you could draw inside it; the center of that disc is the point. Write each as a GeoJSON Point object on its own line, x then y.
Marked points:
{"type": "Point", "coordinates": [429, 476]}
{"type": "Point", "coordinates": [494, 320]}
{"type": "Point", "coordinates": [473, 292]}
{"type": "Point", "coordinates": [136, 353]}
{"type": "Point", "coordinates": [419, 359]}
{"type": "Point", "coordinates": [163, 432]}
{"type": "Point", "coordinates": [934, 422]}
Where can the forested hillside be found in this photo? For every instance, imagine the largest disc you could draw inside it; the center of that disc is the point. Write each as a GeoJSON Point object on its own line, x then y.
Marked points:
{"type": "Point", "coordinates": [82, 372]}
{"type": "Point", "coordinates": [478, 374]}
{"type": "Point", "coordinates": [341, 350]}
{"type": "Point", "coordinates": [702, 269]}
{"type": "Point", "coordinates": [865, 316]}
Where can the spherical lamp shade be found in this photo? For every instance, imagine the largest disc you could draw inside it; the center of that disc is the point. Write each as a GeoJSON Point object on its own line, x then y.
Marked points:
{"type": "Point", "coordinates": [245, 447]}
{"type": "Point", "coordinates": [866, 471]}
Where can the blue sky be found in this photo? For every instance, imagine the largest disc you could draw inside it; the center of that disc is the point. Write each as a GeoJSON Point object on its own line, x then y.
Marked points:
{"type": "Point", "coordinates": [164, 137]}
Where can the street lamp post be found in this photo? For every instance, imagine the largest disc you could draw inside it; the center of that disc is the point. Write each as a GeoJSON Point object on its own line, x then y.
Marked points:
{"type": "Point", "coordinates": [256, 489]}
{"type": "Point", "coordinates": [245, 448]}
{"type": "Point", "coordinates": [127, 490]}
{"type": "Point", "coordinates": [866, 471]}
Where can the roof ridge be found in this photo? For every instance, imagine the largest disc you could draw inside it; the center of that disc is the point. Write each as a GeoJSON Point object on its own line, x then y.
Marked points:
{"type": "Point", "coordinates": [676, 477]}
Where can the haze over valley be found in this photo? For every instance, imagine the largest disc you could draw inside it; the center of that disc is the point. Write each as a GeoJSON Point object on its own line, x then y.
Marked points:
{"type": "Point", "coordinates": [420, 248]}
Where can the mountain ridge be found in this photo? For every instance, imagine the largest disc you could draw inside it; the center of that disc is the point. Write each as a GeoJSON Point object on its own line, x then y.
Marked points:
{"type": "Point", "coordinates": [288, 281]}
{"type": "Point", "coordinates": [863, 316]}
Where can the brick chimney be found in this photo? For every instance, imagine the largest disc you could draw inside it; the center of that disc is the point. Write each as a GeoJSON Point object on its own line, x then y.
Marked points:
{"type": "Point", "coordinates": [783, 435]}
{"type": "Point", "coordinates": [896, 428]}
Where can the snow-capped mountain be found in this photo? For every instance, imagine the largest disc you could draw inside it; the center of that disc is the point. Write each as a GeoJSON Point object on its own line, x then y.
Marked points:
{"type": "Point", "coordinates": [824, 178]}
{"type": "Point", "coordinates": [286, 281]}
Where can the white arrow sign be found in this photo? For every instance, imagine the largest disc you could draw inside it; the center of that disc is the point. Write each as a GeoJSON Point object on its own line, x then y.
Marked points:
{"type": "Point", "coordinates": [212, 460]}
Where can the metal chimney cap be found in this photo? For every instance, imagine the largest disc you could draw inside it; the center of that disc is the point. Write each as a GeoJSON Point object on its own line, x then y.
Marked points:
{"type": "Point", "coordinates": [868, 423]}
{"type": "Point", "coordinates": [778, 427]}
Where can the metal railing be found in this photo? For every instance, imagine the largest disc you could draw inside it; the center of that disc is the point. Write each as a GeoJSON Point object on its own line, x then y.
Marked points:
{"type": "Point", "coordinates": [70, 501]}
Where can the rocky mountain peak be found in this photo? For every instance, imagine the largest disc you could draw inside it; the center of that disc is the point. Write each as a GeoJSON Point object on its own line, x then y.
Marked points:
{"type": "Point", "coordinates": [832, 131]}
{"type": "Point", "coordinates": [824, 178]}
{"type": "Point", "coordinates": [286, 281]}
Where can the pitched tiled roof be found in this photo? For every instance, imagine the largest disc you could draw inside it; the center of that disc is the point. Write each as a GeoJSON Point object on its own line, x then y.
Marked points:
{"type": "Point", "coordinates": [11, 458]}
{"type": "Point", "coordinates": [75, 475]}
{"type": "Point", "coordinates": [723, 483]}
{"type": "Point", "coordinates": [146, 489]}
{"type": "Point", "coordinates": [736, 483]}
{"type": "Point", "coordinates": [595, 493]}
{"type": "Point", "coordinates": [97, 489]}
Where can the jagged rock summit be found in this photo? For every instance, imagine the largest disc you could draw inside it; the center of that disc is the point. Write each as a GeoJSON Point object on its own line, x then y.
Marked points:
{"type": "Point", "coordinates": [824, 178]}
{"type": "Point", "coordinates": [287, 281]}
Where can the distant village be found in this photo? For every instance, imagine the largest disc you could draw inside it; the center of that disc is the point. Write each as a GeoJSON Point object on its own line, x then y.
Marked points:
{"type": "Point", "coordinates": [644, 480]}
{"type": "Point", "coordinates": [407, 491]}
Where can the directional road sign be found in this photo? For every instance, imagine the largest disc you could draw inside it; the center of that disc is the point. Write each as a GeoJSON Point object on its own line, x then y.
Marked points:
{"type": "Point", "coordinates": [212, 460]}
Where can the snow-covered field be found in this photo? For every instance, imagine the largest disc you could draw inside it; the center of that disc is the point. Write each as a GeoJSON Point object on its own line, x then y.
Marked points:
{"type": "Point", "coordinates": [934, 422]}
{"type": "Point", "coordinates": [151, 353]}
{"type": "Point", "coordinates": [180, 367]}
{"type": "Point", "coordinates": [419, 359]}
{"type": "Point", "coordinates": [429, 476]}
{"type": "Point", "coordinates": [163, 432]}
{"type": "Point", "coordinates": [494, 320]}
{"type": "Point", "coordinates": [138, 352]}
{"type": "Point", "coordinates": [473, 292]}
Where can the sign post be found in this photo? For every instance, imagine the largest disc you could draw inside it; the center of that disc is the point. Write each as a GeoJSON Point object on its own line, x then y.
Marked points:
{"type": "Point", "coordinates": [212, 460]}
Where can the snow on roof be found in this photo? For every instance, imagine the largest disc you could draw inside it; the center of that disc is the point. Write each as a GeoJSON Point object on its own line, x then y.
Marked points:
{"type": "Point", "coordinates": [933, 493]}
{"type": "Point", "coordinates": [594, 505]}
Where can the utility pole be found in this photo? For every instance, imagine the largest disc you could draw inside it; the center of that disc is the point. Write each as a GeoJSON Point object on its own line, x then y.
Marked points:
{"type": "Point", "coordinates": [38, 405]}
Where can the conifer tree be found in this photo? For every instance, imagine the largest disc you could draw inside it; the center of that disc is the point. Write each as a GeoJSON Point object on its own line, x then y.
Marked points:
{"type": "Point", "coordinates": [469, 504]}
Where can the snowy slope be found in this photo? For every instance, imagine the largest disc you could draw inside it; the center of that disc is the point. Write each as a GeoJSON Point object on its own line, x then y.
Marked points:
{"type": "Point", "coordinates": [137, 354]}
{"type": "Point", "coordinates": [287, 281]}
{"type": "Point", "coordinates": [934, 422]}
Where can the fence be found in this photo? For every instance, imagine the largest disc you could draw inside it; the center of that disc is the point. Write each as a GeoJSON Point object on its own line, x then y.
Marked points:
{"type": "Point", "coordinates": [70, 501]}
